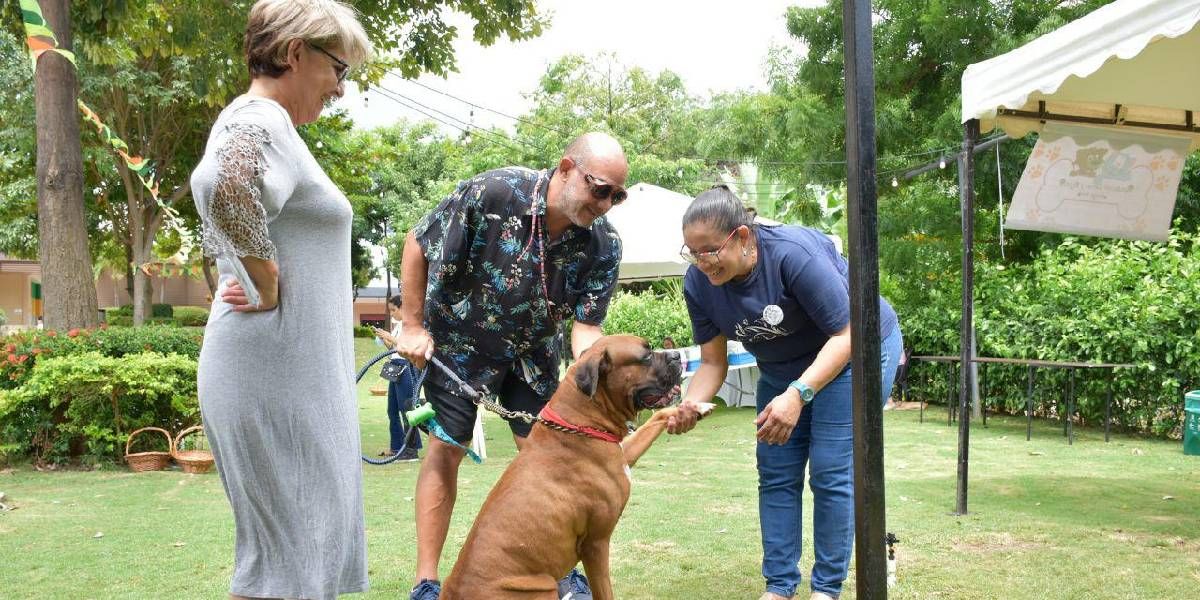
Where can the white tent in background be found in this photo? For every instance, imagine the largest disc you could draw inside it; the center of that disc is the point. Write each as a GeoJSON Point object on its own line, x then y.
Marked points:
{"type": "Point", "coordinates": [649, 222]}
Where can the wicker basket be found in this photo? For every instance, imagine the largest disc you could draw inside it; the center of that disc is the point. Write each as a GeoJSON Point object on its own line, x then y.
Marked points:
{"type": "Point", "coordinates": [191, 461]}
{"type": "Point", "coordinates": [148, 461]}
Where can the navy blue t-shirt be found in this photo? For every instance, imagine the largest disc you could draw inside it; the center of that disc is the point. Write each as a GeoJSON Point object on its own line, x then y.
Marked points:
{"type": "Point", "coordinates": [797, 296]}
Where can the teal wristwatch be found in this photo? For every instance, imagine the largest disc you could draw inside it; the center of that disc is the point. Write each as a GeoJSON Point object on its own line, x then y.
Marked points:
{"type": "Point", "coordinates": [806, 393]}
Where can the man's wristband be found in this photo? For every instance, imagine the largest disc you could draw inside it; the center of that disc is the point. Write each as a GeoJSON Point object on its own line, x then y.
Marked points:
{"type": "Point", "coordinates": [806, 392]}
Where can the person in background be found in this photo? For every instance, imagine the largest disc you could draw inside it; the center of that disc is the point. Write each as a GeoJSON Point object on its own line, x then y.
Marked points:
{"type": "Point", "coordinates": [783, 293]}
{"type": "Point", "coordinates": [401, 396]}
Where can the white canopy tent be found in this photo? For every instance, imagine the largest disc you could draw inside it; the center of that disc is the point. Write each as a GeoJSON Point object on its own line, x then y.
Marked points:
{"type": "Point", "coordinates": [649, 224]}
{"type": "Point", "coordinates": [1130, 64]}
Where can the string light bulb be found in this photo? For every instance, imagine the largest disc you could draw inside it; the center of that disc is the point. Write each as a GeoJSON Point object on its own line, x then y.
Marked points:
{"type": "Point", "coordinates": [895, 182]}
{"type": "Point", "coordinates": [942, 162]}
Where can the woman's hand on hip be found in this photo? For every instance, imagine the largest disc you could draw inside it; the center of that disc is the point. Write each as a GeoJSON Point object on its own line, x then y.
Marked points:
{"type": "Point", "coordinates": [235, 294]}
{"type": "Point", "coordinates": [778, 419]}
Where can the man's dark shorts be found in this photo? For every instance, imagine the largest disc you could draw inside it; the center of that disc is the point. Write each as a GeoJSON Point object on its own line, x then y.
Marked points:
{"type": "Point", "coordinates": [457, 414]}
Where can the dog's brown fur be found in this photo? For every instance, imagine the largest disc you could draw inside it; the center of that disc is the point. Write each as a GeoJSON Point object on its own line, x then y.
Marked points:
{"type": "Point", "coordinates": [560, 499]}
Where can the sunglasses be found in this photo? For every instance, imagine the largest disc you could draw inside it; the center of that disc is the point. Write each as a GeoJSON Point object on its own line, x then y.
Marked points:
{"type": "Point", "coordinates": [602, 190]}
{"type": "Point", "coordinates": [340, 68]}
{"type": "Point", "coordinates": [696, 258]}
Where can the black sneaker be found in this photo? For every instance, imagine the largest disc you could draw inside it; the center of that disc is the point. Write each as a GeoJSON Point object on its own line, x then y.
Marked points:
{"type": "Point", "coordinates": [428, 589]}
{"type": "Point", "coordinates": [408, 455]}
{"type": "Point", "coordinates": [574, 587]}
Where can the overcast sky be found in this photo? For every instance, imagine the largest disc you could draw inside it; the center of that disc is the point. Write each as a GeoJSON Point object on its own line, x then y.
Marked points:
{"type": "Point", "coordinates": [715, 45]}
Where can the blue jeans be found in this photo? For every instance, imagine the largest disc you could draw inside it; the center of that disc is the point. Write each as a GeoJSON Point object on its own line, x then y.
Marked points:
{"type": "Point", "coordinates": [824, 441]}
{"type": "Point", "coordinates": [400, 397]}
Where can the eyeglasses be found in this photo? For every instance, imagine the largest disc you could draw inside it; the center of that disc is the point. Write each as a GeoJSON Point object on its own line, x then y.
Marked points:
{"type": "Point", "coordinates": [602, 190]}
{"type": "Point", "coordinates": [341, 69]}
{"type": "Point", "coordinates": [696, 258]}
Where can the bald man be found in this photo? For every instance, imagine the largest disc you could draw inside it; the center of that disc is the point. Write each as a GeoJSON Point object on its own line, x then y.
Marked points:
{"type": "Point", "coordinates": [488, 277]}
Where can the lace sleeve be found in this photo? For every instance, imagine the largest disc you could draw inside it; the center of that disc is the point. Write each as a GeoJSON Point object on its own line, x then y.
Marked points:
{"type": "Point", "coordinates": [236, 219]}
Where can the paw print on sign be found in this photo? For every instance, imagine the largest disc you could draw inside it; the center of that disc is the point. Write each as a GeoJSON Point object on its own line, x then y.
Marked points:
{"type": "Point", "coordinates": [1036, 172]}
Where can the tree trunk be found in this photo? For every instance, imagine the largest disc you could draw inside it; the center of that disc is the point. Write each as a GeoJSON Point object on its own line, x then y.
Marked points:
{"type": "Point", "coordinates": [143, 292]}
{"type": "Point", "coordinates": [128, 270]}
{"type": "Point", "coordinates": [141, 240]}
{"type": "Point", "coordinates": [206, 265]}
{"type": "Point", "coordinates": [68, 291]}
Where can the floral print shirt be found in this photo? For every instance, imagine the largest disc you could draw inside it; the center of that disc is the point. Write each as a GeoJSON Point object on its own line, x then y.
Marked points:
{"type": "Point", "coordinates": [498, 288]}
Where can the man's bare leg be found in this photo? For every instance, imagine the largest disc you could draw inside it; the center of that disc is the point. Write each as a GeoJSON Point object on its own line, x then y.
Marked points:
{"type": "Point", "coordinates": [437, 488]}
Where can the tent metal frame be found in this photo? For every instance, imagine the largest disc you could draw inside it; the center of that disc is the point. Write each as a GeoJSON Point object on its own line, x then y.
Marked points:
{"type": "Point", "coordinates": [1043, 115]}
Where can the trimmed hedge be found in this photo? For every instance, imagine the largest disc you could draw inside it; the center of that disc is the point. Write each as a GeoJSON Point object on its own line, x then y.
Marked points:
{"type": "Point", "coordinates": [84, 405]}
{"type": "Point", "coordinates": [191, 316]}
{"type": "Point", "coordinates": [24, 349]}
{"type": "Point", "coordinates": [1104, 301]}
{"type": "Point", "coordinates": [650, 315]}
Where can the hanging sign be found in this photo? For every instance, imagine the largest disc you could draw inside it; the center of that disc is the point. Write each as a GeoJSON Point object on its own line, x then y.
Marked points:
{"type": "Point", "coordinates": [1103, 181]}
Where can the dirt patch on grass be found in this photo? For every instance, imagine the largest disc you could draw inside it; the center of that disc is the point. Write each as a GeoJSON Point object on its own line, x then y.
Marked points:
{"type": "Point", "coordinates": [1189, 545]}
{"type": "Point", "coordinates": [654, 547]}
{"type": "Point", "coordinates": [997, 542]}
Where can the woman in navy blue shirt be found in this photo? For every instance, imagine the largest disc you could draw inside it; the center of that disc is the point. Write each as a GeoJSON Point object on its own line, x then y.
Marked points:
{"type": "Point", "coordinates": [783, 292]}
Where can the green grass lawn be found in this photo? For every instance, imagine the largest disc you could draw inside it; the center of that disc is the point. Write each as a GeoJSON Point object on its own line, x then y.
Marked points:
{"type": "Point", "coordinates": [1047, 520]}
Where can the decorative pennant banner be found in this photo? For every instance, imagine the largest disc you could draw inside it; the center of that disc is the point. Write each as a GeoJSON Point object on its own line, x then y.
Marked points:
{"type": "Point", "coordinates": [170, 269]}
{"type": "Point", "coordinates": [141, 167]}
{"type": "Point", "coordinates": [41, 39]}
{"type": "Point", "coordinates": [38, 35]}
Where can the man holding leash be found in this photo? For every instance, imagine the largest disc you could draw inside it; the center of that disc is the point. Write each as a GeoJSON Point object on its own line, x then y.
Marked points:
{"type": "Point", "coordinates": [489, 275]}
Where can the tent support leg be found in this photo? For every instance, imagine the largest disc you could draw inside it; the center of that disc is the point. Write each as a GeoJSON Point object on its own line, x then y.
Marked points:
{"type": "Point", "coordinates": [966, 186]}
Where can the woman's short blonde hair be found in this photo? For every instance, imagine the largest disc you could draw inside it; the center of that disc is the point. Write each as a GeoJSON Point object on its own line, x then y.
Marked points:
{"type": "Point", "coordinates": [328, 24]}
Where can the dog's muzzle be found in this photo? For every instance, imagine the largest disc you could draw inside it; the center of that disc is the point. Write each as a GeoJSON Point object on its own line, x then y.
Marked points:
{"type": "Point", "coordinates": [664, 389]}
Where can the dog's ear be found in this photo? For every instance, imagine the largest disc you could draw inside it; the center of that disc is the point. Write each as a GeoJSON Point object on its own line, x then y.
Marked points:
{"type": "Point", "coordinates": [588, 373]}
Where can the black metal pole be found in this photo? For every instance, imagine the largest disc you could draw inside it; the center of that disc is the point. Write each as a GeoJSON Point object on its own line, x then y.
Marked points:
{"type": "Point", "coordinates": [966, 186]}
{"type": "Point", "coordinates": [870, 518]}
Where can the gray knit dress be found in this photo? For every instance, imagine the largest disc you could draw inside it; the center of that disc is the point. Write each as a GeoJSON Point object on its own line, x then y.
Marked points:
{"type": "Point", "coordinates": [276, 388]}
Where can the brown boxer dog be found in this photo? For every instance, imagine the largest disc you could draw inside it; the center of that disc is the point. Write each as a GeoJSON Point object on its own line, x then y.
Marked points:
{"type": "Point", "coordinates": [559, 500]}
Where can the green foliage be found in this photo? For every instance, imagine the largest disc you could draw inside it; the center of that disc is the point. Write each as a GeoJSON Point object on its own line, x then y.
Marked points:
{"type": "Point", "coordinates": [1108, 301]}
{"type": "Point", "coordinates": [650, 315]}
{"type": "Point", "coordinates": [162, 310]}
{"type": "Point", "coordinates": [191, 316]}
{"type": "Point", "coordinates": [85, 404]}
{"type": "Point", "coordinates": [363, 331]}
{"type": "Point", "coordinates": [24, 349]}
{"type": "Point", "coordinates": [3, 317]}
{"type": "Point", "coordinates": [18, 183]}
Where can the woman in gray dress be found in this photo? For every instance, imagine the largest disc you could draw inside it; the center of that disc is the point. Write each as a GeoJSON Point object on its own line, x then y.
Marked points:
{"type": "Point", "coordinates": [276, 374]}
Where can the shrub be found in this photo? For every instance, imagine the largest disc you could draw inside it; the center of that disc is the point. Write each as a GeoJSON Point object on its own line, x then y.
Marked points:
{"type": "Point", "coordinates": [125, 310]}
{"type": "Point", "coordinates": [1104, 301]}
{"type": "Point", "coordinates": [363, 331]}
{"type": "Point", "coordinates": [191, 316]}
{"type": "Point", "coordinates": [22, 350]}
{"type": "Point", "coordinates": [651, 316]}
{"type": "Point", "coordinates": [85, 405]}
{"type": "Point", "coordinates": [3, 317]}
{"type": "Point", "coordinates": [123, 315]}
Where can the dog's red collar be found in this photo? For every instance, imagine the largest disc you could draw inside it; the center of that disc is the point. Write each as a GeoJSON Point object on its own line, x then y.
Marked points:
{"type": "Point", "coordinates": [554, 420]}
